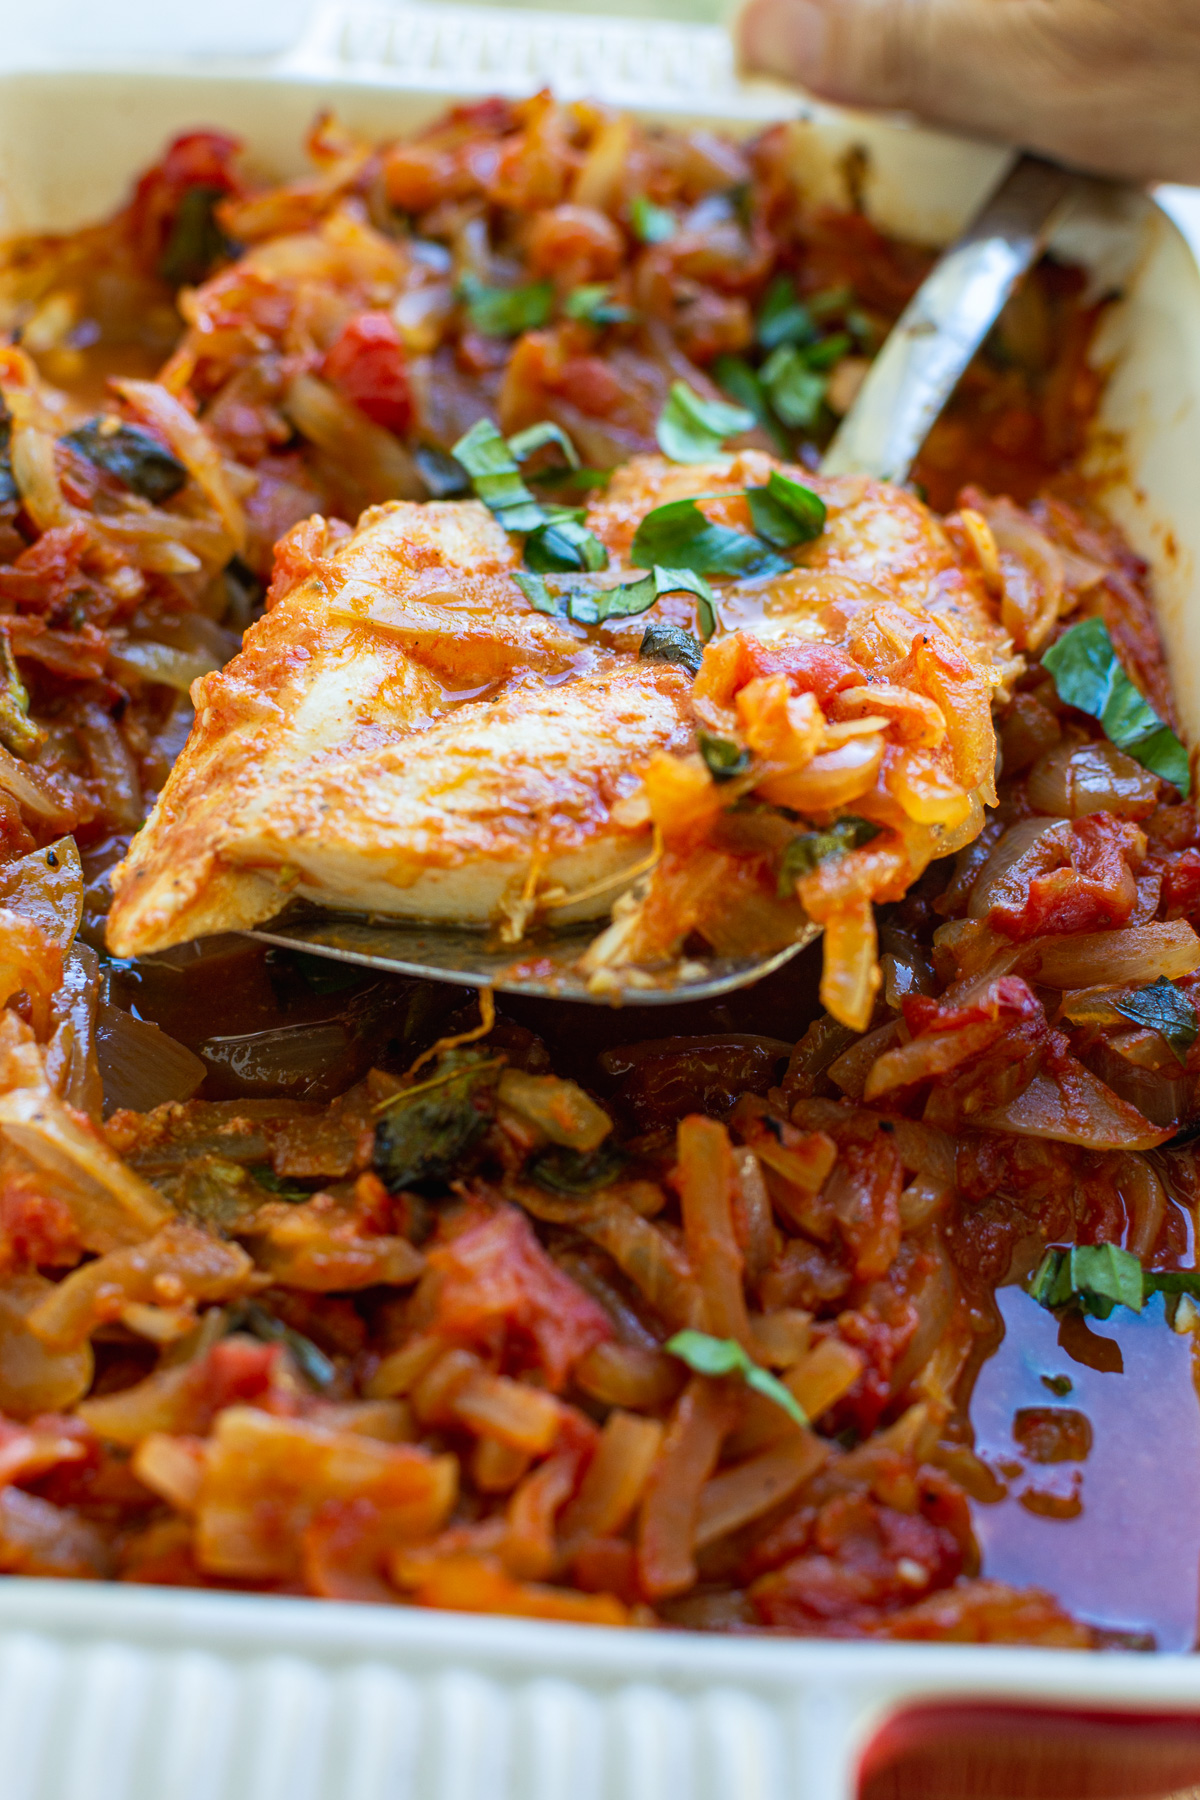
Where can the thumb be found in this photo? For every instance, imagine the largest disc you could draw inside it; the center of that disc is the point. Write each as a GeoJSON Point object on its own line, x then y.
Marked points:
{"type": "Point", "coordinates": [1105, 86]}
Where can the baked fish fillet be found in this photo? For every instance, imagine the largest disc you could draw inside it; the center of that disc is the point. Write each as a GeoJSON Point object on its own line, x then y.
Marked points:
{"type": "Point", "coordinates": [403, 734]}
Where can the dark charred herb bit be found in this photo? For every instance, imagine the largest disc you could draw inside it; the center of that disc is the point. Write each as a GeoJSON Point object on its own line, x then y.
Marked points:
{"type": "Point", "coordinates": [311, 1362]}
{"type": "Point", "coordinates": [783, 317]}
{"type": "Point", "coordinates": [724, 759]}
{"type": "Point", "coordinates": [1088, 674]}
{"type": "Point", "coordinates": [651, 224]}
{"type": "Point", "coordinates": [1161, 1007]}
{"type": "Point", "coordinates": [196, 241]}
{"type": "Point", "coordinates": [442, 473]}
{"type": "Point", "coordinates": [144, 465]}
{"type": "Point", "coordinates": [714, 1356]}
{"type": "Point", "coordinates": [786, 513]}
{"type": "Point", "coordinates": [593, 605]}
{"type": "Point", "coordinates": [563, 1171]}
{"type": "Point", "coordinates": [8, 482]}
{"type": "Point", "coordinates": [667, 643]}
{"type": "Point", "coordinates": [811, 848]}
{"type": "Point", "coordinates": [594, 305]}
{"type": "Point", "coordinates": [427, 1128]}
{"type": "Point", "coordinates": [679, 536]}
{"type": "Point", "coordinates": [691, 429]}
{"type": "Point", "coordinates": [506, 312]}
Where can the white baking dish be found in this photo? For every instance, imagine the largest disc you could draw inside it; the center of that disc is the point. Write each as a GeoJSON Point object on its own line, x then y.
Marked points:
{"type": "Point", "coordinates": [111, 1693]}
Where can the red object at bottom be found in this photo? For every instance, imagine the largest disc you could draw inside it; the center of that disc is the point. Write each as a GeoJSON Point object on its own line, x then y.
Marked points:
{"type": "Point", "coordinates": [981, 1752]}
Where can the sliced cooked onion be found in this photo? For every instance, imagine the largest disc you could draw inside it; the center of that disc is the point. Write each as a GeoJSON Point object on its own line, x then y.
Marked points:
{"type": "Point", "coordinates": [1099, 1120]}
{"type": "Point", "coordinates": [362, 451]}
{"type": "Point", "coordinates": [33, 792]}
{"type": "Point", "coordinates": [160, 663]}
{"type": "Point", "coordinates": [113, 767]}
{"type": "Point", "coordinates": [140, 1065]}
{"type": "Point", "coordinates": [1072, 780]}
{"type": "Point", "coordinates": [1004, 877]}
{"type": "Point", "coordinates": [1136, 953]}
{"type": "Point", "coordinates": [47, 887]}
{"type": "Point", "coordinates": [192, 445]}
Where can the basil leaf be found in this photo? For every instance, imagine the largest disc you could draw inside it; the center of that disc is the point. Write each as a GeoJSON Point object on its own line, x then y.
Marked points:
{"type": "Point", "coordinates": [564, 1171]}
{"type": "Point", "coordinates": [506, 312]}
{"type": "Point", "coordinates": [1164, 1008]}
{"type": "Point", "coordinates": [442, 473]}
{"type": "Point", "coordinates": [195, 241]}
{"type": "Point", "coordinates": [592, 606]}
{"type": "Point", "coordinates": [679, 536]}
{"type": "Point", "coordinates": [283, 1189]}
{"type": "Point", "coordinates": [783, 317]}
{"type": "Point", "coordinates": [311, 1362]}
{"type": "Point", "coordinates": [536, 437]}
{"type": "Point", "coordinates": [795, 391]}
{"type": "Point", "coordinates": [828, 351]}
{"type": "Point", "coordinates": [724, 759]}
{"type": "Point", "coordinates": [496, 479]}
{"type": "Point", "coordinates": [741, 383]}
{"type": "Point", "coordinates": [667, 643]}
{"type": "Point", "coordinates": [806, 852]}
{"type": "Point", "coordinates": [714, 1356]}
{"type": "Point", "coordinates": [691, 429]}
{"type": "Point", "coordinates": [564, 544]}
{"type": "Point", "coordinates": [583, 477]}
{"type": "Point", "coordinates": [1095, 1277]}
{"type": "Point", "coordinates": [138, 460]}
{"type": "Point", "coordinates": [1088, 675]}
{"type": "Point", "coordinates": [594, 304]}
{"type": "Point", "coordinates": [652, 224]}
{"type": "Point", "coordinates": [785, 512]}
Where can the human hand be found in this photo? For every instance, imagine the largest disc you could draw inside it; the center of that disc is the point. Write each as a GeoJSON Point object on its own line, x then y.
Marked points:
{"type": "Point", "coordinates": [1107, 85]}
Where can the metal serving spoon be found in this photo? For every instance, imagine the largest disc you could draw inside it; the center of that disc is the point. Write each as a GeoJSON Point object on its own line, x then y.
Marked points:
{"type": "Point", "coordinates": [908, 384]}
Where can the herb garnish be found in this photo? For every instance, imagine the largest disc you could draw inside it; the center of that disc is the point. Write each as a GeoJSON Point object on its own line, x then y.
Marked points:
{"type": "Point", "coordinates": [679, 536]}
{"type": "Point", "coordinates": [691, 429]}
{"type": "Point", "coordinates": [1098, 1277]}
{"type": "Point", "coordinates": [311, 1362]}
{"type": "Point", "coordinates": [706, 1355]}
{"type": "Point", "coordinates": [506, 312]}
{"type": "Point", "coordinates": [783, 317]}
{"type": "Point", "coordinates": [785, 512]}
{"type": "Point", "coordinates": [195, 241]}
{"type": "Point", "coordinates": [741, 383]}
{"type": "Point", "coordinates": [1162, 1007]}
{"type": "Point", "coordinates": [668, 643]}
{"type": "Point", "coordinates": [442, 473]}
{"type": "Point", "coordinates": [594, 305]}
{"type": "Point", "coordinates": [556, 538]}
{"type": "Point", "coordinates": [593, 605]}
{"type": "Point", "coordinates": [138, 460]}
{"type": "Point", "coordinates": [564, 1171]}
{"type": "Point", "coordinates": [724, 759]}
{"type": "Point", "coordinates": [652, 224]}
{"type": "Point", "coordinates": [795, 390]}
{"type": "Point", "coordinates": [1088, 675]}
{"type": "Point", "coordinates": [806, 852]}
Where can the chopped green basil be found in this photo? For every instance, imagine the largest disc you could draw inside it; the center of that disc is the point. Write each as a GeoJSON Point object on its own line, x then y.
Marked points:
{"type": "Point", "coordinates": [1088, 675]}
{"type": "Point", "coordinates": [691, 429]}
{"type": "Point", "coordinates": [138, 460]}
{"type": "Point", "coordinates": [785, 512]}
{"type": "Point", "coordinates": [741, 383]}
{"type": "Point", "coordinates": [724, 758]}
{"type": "Point", "coordinates": [783, 317]}
{"type": "Point", "coordinates": [667, 643]}
{"type": "Point", "coordinates": [652, 224]}
{"type": "Point", "coordinates": [829, 350]}
{"type": "Point", "coordinates": [679, 536]}
{"type": "Point", "coordinates": [496, 478]}
{"type": "Point", "coordinates": [1164, 1008]}
{"type": "Point", "coordinates": [811, 848]}
{"type": "Point", "coordinates": [795, 391]}
{"type": "Point", "coordinates": [506, 312]}
{"type": "Point", "coordinates": [594, 305]}
{"type": "Point", "coordinates": [593, 605]}
{"type": "Point", "coordinates": [312, 1363]}
{"type": "Point", "coordinates": [583, 477]}
{"type": "Point", "coordinates": [264, 1176]}
{"type": "Point", "coordinates": [195, 241]}
{"type": "Point", "coordinates": [706, 1355]}
{"type": "Point", "coordinates": [564, 543]}
{"type": "Point", "coordinates": [535, 437]}
{"type": "Point", "coordinates": [1095, 1277]}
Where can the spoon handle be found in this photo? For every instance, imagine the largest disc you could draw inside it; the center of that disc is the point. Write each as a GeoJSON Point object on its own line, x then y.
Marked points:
{"type": "Point", "coordinates": [946, 321]}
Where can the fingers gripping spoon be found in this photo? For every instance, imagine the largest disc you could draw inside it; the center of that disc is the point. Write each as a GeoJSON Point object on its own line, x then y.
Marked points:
{"type": "Point", "coordinates": [908, 383]}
